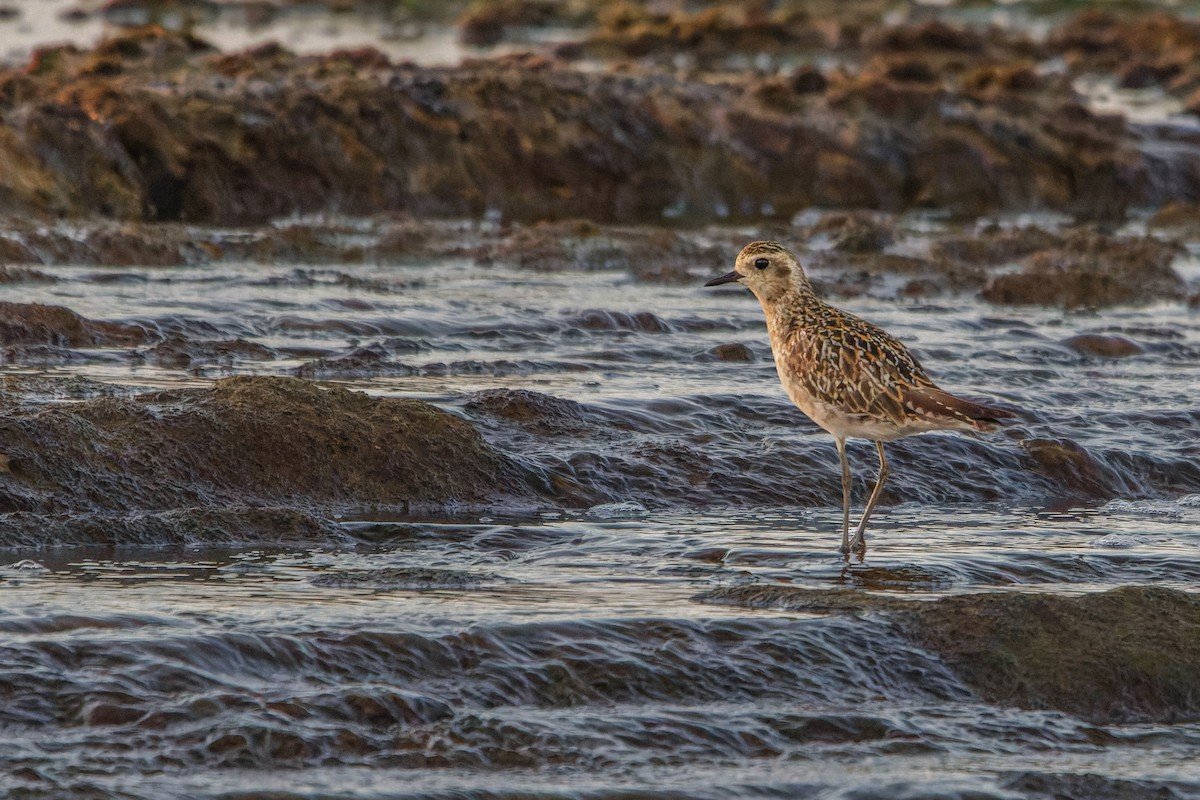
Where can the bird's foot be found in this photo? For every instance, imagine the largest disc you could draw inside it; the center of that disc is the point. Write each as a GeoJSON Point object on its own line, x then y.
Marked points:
{"type": "Point", "coordinates": [858, 544]}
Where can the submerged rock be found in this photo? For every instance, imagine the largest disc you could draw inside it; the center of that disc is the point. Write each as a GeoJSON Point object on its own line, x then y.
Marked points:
{"type": "Point", "coordinates": [250, 440]}
{"type": "Point", "coordinates": [409, 578]}
{"type": "Point", "coordinates": [1095, 344]}
{"type": "Point", "coordinates": [730, 351]}
{"type": "Point", "coordinates": [542, 413]}
{"type": "Point", "coordinates": [227, 526]}
{"type": "Point", "coordinates": [1072, 467]}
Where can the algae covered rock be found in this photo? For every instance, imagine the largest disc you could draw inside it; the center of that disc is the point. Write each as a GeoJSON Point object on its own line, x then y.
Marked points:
{"type": "Point", "coordinates": [1091, 271]}
{"type": "Point", "coordinates": [33, 323]}
{"type": "Point", "coordinates": [533, 138]}
{"type": "Point", "coordinates": [1125, 655]}
{"type": "Point", "coordinates": [255, 440]}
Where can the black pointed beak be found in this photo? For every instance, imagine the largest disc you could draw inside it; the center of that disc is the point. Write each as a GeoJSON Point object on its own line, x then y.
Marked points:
{"type": "Point", "coordinates": [728, 277]}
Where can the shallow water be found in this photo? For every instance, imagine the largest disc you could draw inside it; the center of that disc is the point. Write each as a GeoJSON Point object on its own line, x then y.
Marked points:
{"type": "Point", "coordinates": [571, 653]}
{"type": "Point", "coordinates": [559, 657]}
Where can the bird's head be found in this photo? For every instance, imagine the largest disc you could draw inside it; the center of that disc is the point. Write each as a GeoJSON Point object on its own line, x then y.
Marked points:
{"type": "Point", "coordinates": [768, 269]}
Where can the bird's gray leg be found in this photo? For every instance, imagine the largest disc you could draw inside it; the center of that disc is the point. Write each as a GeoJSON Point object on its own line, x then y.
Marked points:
{"type": "Point", "coordinates": [860, 542]}
{"type": "Point", "coordinates": [841, 448]}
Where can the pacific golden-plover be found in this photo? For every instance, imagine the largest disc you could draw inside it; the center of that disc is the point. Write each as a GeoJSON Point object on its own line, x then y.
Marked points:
{"type": "Point", "coordinates": [850, 377]}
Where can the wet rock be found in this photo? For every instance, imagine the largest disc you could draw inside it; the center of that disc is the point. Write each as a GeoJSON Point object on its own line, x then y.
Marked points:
{"type": "Point", "coordinates": [13, 250]}
{"type": "Point", "coordinates": [791, 598]}
{"type": "Point", "coordinates": [151, 43]}
{"type": "Point", "coordinates": [1072, 467]}
{"type": "Point", "coordinates": [854, 274]}
{"type": "Point", "coordinates": [709, 35]}
{"type": "Point", "coordinates": [522, 136]}
{"type": "Point", "coordinates": [66, 164]}
{"type": "Point", "coordinates": [402, 240]}
{"type": "Point", "coordinates": [262, 61]}
{"type": "Point", "coordinates": [648, 254]}
{"type": "Point", "coordinates": [24, 275]}
{"type": "Point", "coordinates": [225, 526]}
{"type": "Point", "coordinates": [181, 352]}
{"type": "Point", "coordinates": [1094, 344]}
{"type": "Point", "coordinates": [912, 578]}
{"type": "Point", "coordinates": [808, 80]}
{"type": "Point", "coordinates": [972, 165]}
{"type": "Point", "coordinates": [125, 245]}
{"type": "Point", "coordinates": [360, 362]}
{"type": "Point", "coordinates": [731, 351]}
{"type": "Point", "coordinates": [1107, 42]}
{"type": "Point", "coordinates": [855, 233]}
{"type": "Point", "coordinates": [1124, 655]}
{"type": "Point", "coordinates": [595, 319]}
{"type": "Point", "coordinates": [406, 578]}
{"type": "Point", "coordinates": [911, 71]}
{"type": "Point", "coordinates": [485, 23]}
{"type": "Point", "coordinates": [532, 410]}
{"type": "Point", "coordinates": [564, 244]}
{"type": "Point", "coordinates": [926, 36]}
{"type": "Point", "coordinates": [995, 246]}
{"type": "Point", "coordinates": [263, 440]}
{"type": "Point", "coordinates": [1184, 216]}
{"type": "Point", "coordinates": [104, 713]}
{"type": "Point", "coordinates": [1056, 786]}
{"type": "Point", "coordinates": [306, 244]}
{"type": "Point", "coordinates": [1001, 79]}
{"type": "Point", "coordinates": [1143, 75]}
{"type": "Point", "coordinates": [35, 324]}
{"type": "Point", "coordinates": [1092, 271]}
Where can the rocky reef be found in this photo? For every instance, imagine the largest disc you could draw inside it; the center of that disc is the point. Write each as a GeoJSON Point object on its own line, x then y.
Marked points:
{"type": "Point", "coordinates": [156, 125]}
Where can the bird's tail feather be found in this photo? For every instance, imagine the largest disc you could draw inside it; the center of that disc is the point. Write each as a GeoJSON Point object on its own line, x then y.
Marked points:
{"type": "Point", "coordinates": [936, 402]}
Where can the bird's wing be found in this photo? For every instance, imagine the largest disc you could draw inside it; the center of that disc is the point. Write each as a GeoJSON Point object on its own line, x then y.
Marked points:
{"type": "Point", "coordinates": [848, 362]}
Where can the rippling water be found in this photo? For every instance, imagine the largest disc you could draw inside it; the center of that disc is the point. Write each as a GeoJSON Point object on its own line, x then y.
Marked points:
{"type": "Point", "coordinates": [573, 653]}
{"type": "Point", "coordinates": [561, 656]}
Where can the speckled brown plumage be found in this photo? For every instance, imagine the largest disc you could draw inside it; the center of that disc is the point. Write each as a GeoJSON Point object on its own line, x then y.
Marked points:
{"type": "Point", "coordinates": [851, 377]}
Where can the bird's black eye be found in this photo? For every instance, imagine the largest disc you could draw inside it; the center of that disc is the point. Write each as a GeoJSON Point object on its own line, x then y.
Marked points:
{"type": "Point", "coordinates": [762, 263]}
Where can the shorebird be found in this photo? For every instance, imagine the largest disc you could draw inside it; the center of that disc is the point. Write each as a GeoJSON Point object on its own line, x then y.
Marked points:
{"type": "Point", "coordinates": [850, 377]}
